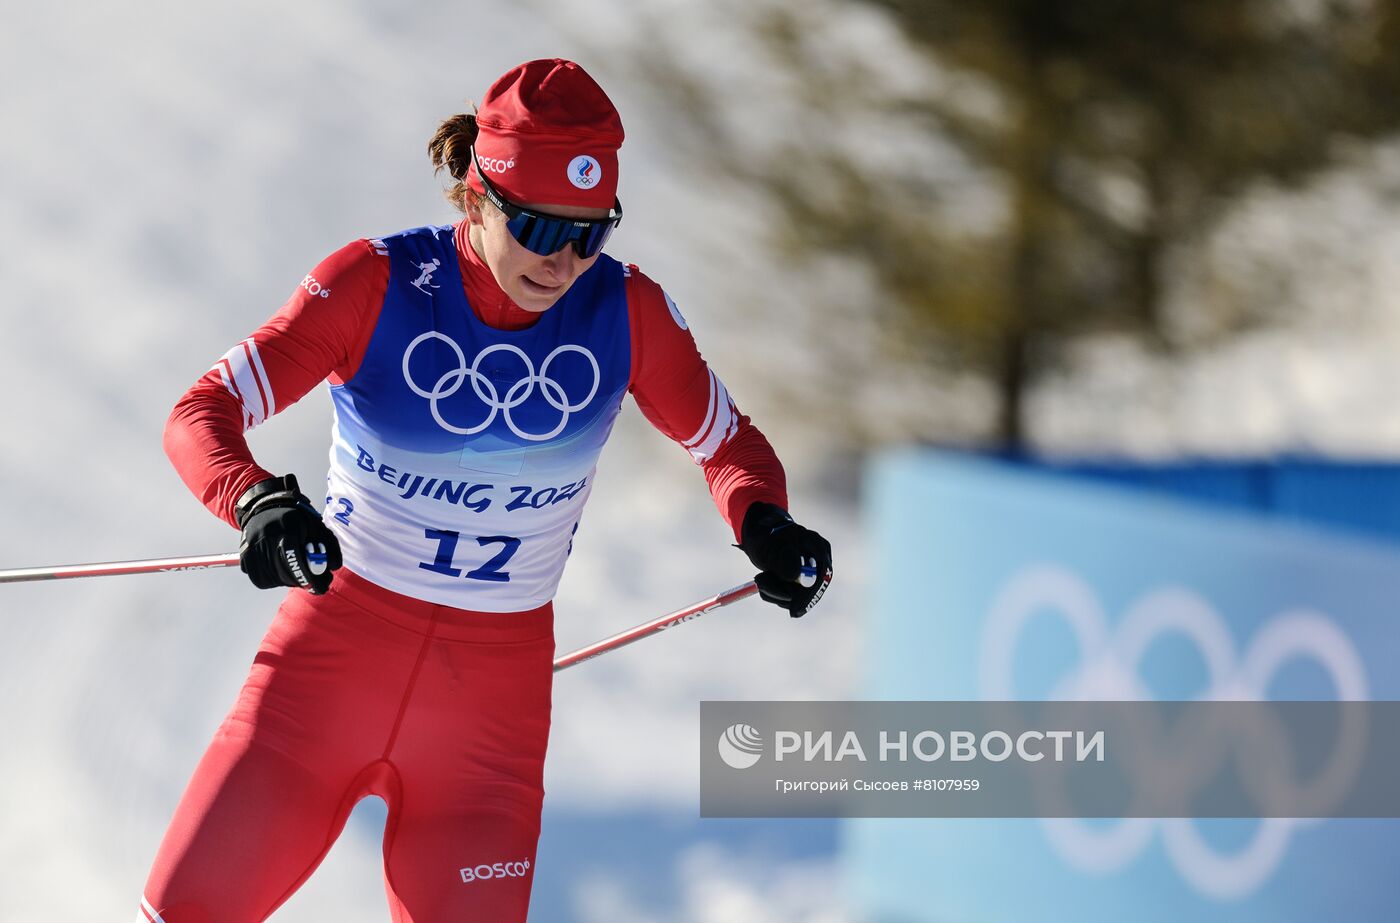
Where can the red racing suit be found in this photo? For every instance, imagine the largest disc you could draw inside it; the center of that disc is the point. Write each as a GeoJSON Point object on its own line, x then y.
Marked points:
{"type": "Point", "coordinates": [440, 708]}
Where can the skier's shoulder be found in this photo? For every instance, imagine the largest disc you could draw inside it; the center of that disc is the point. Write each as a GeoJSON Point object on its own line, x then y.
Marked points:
{"type": "Point", "coordinates": [649, 302]}
{"type": "Point", "coordinates": [360, 264]}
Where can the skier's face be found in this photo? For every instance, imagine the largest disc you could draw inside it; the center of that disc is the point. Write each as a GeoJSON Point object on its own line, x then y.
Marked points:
{"type": "Point", "coordinates": [532, 281]}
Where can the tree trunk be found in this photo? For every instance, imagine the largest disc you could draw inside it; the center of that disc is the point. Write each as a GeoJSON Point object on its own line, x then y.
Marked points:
{"type": "Point", "coordinates": [1028, 174]}
{"type": "Point", "coordinates": [1011, 384]}
{"type": "Point", "coordinates": [1146, 255]}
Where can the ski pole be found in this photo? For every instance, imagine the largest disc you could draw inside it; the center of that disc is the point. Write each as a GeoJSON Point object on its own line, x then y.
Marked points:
{"type": "Point", "coordinates": [113, 568]}
{"type": "Point", "coordinates": [646, 629]}
{"type": "Point", "coordinates": [205, 562]}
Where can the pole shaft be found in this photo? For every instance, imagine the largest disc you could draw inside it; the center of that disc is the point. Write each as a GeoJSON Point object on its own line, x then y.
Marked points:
{"type": "Point", "coordinates": [115, 568]}
{"type": "Point", "coordinates": [646, 629]}
{"type": "Point", "coordinates": [209, 561]}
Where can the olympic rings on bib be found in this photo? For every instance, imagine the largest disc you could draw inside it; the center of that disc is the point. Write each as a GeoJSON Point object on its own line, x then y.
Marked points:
{"type": "Point", "coordinates": [485, 389]}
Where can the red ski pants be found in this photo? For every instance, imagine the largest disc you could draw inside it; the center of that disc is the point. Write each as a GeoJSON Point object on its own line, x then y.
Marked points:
{"type": "Point", "coordinates": [441, 712]}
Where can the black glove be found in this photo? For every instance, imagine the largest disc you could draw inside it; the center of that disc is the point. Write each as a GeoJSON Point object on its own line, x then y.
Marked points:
{"type": "Point", "coordinates": [285, 543]}
{"type": "Point", "coordinates": [796, 562]}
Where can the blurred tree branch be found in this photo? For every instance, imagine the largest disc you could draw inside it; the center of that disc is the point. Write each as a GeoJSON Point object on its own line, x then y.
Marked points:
{"type": "Point", "coordinates": [1114, 134]}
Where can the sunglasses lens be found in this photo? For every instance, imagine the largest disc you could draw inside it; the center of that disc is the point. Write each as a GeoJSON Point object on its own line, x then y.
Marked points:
{"type": "Point", "coordinates": [547, 236]}
{"type": "Point", "coordinates": [590, 242]}
{"type": "Point", "coordinates": [538, 235]}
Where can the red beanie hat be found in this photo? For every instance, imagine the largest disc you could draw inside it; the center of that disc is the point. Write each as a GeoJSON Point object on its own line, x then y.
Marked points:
{"type": "Point", "coordinates": [548, 135]}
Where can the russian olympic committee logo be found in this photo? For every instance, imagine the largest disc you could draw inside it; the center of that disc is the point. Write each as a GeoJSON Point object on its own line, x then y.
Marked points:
{"type": "Point", "coordinates": [740, 746]}
{"type": "Point", "coordinates": [584, 172]}
{"type": "Point", "coordinates": [485, 389]}
{"type": "Point", "coordinates": [1108, 669]}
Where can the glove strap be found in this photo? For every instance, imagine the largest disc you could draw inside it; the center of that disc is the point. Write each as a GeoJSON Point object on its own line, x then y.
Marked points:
{"type": "Point", "coordinates": [761, 521]}
{"type": "Point", "coordinates": [270, 494]}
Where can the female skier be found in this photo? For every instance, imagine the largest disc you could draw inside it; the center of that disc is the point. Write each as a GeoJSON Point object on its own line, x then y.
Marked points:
{"type": "Point", "coordinates": [476, 371]}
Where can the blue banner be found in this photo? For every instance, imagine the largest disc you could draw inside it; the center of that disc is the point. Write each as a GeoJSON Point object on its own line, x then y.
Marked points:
{"type": "Point", "coordinates": [994, 582]}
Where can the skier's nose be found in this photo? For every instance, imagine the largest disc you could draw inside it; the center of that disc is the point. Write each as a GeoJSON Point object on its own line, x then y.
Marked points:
{"type": "Point", "coordinates": [561, 265]}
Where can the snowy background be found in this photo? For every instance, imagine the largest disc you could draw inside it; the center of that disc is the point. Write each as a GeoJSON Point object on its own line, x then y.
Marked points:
{"type": "Point", "coordinates": [169, 171]}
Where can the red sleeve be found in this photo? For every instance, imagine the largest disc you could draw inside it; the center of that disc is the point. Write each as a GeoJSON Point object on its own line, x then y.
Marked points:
{"type": "Point", "coordinates": [322, 330]}
{"type": "Point", "coordinates": [684, 398]}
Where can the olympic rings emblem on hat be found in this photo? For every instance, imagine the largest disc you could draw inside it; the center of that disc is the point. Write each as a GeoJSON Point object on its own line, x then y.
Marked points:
{"type": "Point", "coordinates": [451, 380]}
{"type": "Point", "coordinates": [1108, 670]}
